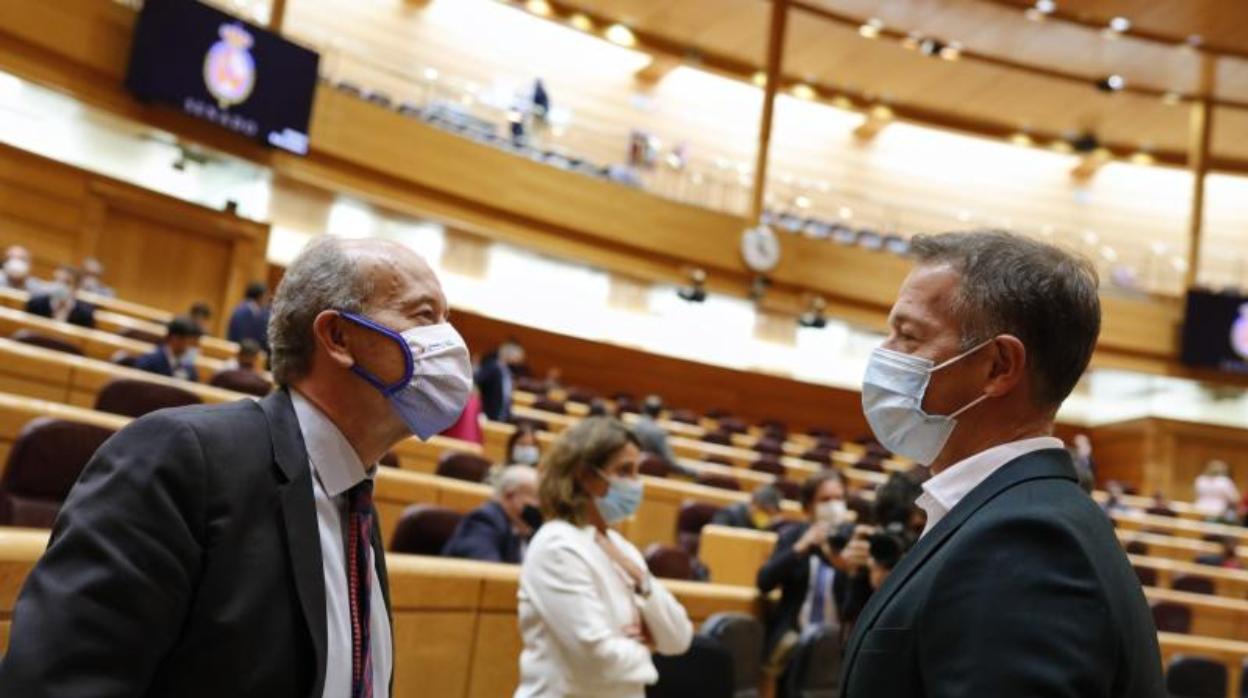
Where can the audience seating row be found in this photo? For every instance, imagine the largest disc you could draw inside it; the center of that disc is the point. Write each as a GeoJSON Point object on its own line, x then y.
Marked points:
{"type": "Point", "coordinates": [120, 323]}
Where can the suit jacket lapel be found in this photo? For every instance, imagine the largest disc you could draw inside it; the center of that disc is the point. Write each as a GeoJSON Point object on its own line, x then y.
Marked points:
{"type": "Point", "coordinates": [1038, 464]}
{"type": "Point", "coordinates": [299, 516]}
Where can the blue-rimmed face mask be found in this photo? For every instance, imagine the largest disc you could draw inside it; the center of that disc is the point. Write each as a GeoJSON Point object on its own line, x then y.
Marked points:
{"type": "Point", "coordinates": [437, 375]}
{"type": "Point", "coordinates": [892, 401]}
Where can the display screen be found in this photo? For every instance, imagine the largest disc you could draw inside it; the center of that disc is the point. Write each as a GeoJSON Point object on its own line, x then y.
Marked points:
{"type": "Point", "coordinates": [219, 68]}
{"type": "Point", "coordinates": [1215, 331]}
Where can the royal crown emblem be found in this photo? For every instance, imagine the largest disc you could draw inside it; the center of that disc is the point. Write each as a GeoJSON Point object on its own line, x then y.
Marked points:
{"type": "Point", "coordinates": [229, 69]}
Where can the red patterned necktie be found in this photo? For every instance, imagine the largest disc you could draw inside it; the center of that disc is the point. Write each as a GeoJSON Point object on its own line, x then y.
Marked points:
{"type": "Point", "coordinates": [359, 583]}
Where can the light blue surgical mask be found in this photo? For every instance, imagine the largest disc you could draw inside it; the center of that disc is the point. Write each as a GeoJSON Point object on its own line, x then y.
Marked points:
{"type": "Point", "coordinates": [621, 501]}
{"type": "Point", "coordinates": [189, 357]}
{"type": "Point", "coordinates": [892, 401]}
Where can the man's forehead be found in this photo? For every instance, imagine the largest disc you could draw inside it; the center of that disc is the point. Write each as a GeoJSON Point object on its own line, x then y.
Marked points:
{"type": "Point", "coordinates": [926, 292]}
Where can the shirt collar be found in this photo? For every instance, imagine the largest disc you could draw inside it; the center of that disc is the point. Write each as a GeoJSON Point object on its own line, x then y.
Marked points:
{"type": "Point", "coordinates": [941, 493]}
{"type": "Point", "coordinates": [335, 461]}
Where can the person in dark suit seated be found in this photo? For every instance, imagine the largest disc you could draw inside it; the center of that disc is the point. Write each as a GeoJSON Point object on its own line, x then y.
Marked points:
{"type": "Point", "coordinates": [58, 300]}
{"type": "Point", "coordinates": [250, 319]}
{"type": "Point", "coordinates": [201, 314]}
{"type": "Point", "coordinates": [757, 514]}
{"type": "Point", "coordinates": [499, 530]}
{"type": "Point", "coordinates": [174, 357]}
{"type": "Point", "coordinates": [233, 549]}
{"type": "Point", "coordinates": [1018, 585]}
{"type": "Point", "coordinates": [1227, 556]}
{"type": "Point", "coordinates": [495, 379]}
{"type": "Point", "coordinates": [814, 565]}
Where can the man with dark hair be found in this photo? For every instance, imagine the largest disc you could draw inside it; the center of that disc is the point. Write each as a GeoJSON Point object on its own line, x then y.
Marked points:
{"type": "Point", "coordinates": [1018, 585]}
{"type": "Point", "coordinates": [814, 567]}
{"type": "Point", "coordinates": [653, 437]}
{"type": "Point", "coordinates": [759, 513]}
{"type": "Point", "coordinates": [201, 315]}
{"type": "Point", "coordinates": [174, 357]}
{"type": "Point", "coordinates": [250, 320]}
{"type": "Point", "coordinates": [59, 300]}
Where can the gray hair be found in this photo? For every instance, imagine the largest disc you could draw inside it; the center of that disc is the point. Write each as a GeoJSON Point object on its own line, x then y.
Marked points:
{"type": "Point", "coordinates": [1014, 285]}
{"type": "Point", "coordinates": [512, 478]}
{"type": "Point", "coordinates": [325, 276]}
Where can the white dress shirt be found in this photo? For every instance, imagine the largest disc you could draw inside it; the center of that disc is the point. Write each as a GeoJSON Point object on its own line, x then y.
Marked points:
{"type": "Point", "coordinates": [337, 468]}
{"type": "Point", "coordinates": [574, 605]}
{"type": "Point", "coordinates": [941, 493]}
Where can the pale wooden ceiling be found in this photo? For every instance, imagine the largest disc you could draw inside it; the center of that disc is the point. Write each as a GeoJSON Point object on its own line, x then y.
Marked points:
{"type": "Point", "coordinates": [1016, 74]}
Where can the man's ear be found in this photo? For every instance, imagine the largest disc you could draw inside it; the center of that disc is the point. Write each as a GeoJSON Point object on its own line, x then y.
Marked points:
{"type": "Point", "coordinates": [330, 332]}
{"type": "Point", "coordinates": [1009, 365]}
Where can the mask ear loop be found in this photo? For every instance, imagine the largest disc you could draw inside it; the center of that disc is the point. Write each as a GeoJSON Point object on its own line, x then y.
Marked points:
{"type": "Point", "coordinates": [409, 363]}
{"type": "Point", "coordinates": [963, 355]}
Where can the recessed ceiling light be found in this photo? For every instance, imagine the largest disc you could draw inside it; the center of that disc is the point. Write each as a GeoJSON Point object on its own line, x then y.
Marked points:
{"type": "Point", "coordinates": [1021, 138]}
{"type": "Point", "coordinates": [622, 35]}
{"type": "Point", "coordinates": [871, 29]}
{"type": "Point", "coordinates": [1111, 83]}
{"type": "Point", "coordinates": [539, 7]}
{"type": "Point", "coordinates": [1120, 24]}
{"type": "Point", "coordinates": [582, 22]}
{"type": "Point", "coordinates": [952, 51]}
{"type": "Point", "coordinates": [881, 112]}
{"type": "Point", "coordinates": [843, 102]}
{"type": "Point", "coordinates": [803, 91]}
{"type": "Point", "coordinates": [1047, 7]}
{"type": "Point", "coordinates": [759, 78]}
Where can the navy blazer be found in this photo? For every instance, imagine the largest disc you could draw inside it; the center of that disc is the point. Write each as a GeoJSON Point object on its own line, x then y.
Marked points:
{"type": "Point", "coordinates": [157, 362]}
{"type": "Point", "coordinates": [82, 314]}
{"type": "Point", "coordinates": [1021, 590]}
{"type": "Point", "coordinates": [485, 534]}
{"type": "Point", "coordinates": [248, 323]}
{"type": "Point", "coordinates": [495, 388]}
{"type": "Point", "coordinates": [185, 562]}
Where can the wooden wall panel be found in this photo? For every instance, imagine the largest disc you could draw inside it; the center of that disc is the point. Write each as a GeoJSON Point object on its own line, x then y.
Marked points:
{"type": "Point", "coordinates": [157, 251]}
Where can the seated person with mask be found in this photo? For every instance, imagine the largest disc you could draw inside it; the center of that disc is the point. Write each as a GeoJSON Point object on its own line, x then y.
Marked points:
{"type": "Point", "coordinates": [15, 273]}
{"type": "Point", "coordinates": [522, 447]}
{"type": "Point", "coordinates": [499, 530]}
{"type": "Point", "coordinates": [174, 357]}
{"type": "Point", "coordinates": [813, 566]}
{"type": "Point", "coordinates": [758, 513]}
{"type": "Point", "coordinates": [59, 302]}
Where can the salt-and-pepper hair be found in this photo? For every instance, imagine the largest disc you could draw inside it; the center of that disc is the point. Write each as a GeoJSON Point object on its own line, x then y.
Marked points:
{"type": "Point", "coordinates": [325, 276]}
{"type": "Point", "coordinates": [512, 478]}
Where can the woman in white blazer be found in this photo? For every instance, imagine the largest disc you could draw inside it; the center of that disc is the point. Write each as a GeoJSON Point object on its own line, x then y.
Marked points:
{"type": "Point", "coordinates": [590, 613]}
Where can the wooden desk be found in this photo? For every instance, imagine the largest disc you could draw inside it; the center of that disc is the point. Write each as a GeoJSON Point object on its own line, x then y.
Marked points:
{"type": "Point", "coordinates": [1229, 652]}
{"type": "Point", "coordinates": [1228, 583]}
{"type": "Point", "coordinates": [1178, 527]}
{"type": "Point", "coordinates": [1212, 616]}
{"type": "Point", "coordinates": [734, 555]}
{"type": "Point", "coordinates": [55, 376]}
{"type": "Point", "coordinates": [455, 629]}
{"type": "Point", "coordinates": [95, 344]}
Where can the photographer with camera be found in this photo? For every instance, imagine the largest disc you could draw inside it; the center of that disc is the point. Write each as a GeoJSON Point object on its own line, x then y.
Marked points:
{"type": "Point", "coordinates": [816, 566]}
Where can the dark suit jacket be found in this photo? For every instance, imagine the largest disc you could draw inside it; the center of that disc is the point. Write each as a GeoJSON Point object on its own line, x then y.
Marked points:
{"type": "Point", "coordinates": [492, 383]}
{"type": "Point", "coordinates": [1021, 590]}
{"type": "Point", "coordinates": [155, 361]}
{"type": "Point", "coordinates": [248, 323]}
{"type": "Point", "coordinates": [791, 572]}
{"type": "Point", "coordinates": [82, 314]}
{"type": "Point", "coordinates": [185, 562]}
{"type": "Point", "coordinates": [735, 515]}
{"type": "Point", "coordinates": [485, 534]}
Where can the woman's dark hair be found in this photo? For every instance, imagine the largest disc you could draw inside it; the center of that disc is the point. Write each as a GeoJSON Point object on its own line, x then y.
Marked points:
{"type": "Point", "coordinates": [522, 429]}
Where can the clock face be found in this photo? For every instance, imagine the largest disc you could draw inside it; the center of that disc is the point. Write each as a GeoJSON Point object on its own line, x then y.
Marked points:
{"type": "Point", "coordinates": [760, 248]}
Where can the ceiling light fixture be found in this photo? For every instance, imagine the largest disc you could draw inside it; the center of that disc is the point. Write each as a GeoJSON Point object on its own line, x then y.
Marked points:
{"type": "Point", "coordinates": [621, 35]}
{"type": "Point", "coordinates": [540, 8]}
{"type": "Point", "coordinates": [952, 51]}
{"type": "Point", "coordinates": [871, 29]}
{"type": "Point", "coordinates": [803, 91]}
{"type": "Point", "coordinates": [1021, 138]}
{"type": "Point", "coordinates": [1047, 7]}
{"type": "Point", "coordinates": [582, 22]}
{"type": "Point", "coordinates": [759, 78]}
{"type": "Point", "coordinates": [1119, 24]}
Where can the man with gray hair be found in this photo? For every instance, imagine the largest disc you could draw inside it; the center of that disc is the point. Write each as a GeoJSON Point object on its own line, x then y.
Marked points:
{"type": "Point", "coordinates": [233, 550]}
{"type": "Point", "coordinates": [499, 530]}
{"type": "Point", "coordinates": [1017, 586]}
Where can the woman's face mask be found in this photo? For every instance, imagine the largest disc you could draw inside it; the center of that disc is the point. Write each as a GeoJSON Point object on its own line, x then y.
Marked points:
{"type": "Point", "coordinates": [622, 499]}
{"type": "Point", "coordinates": [526, 455]}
